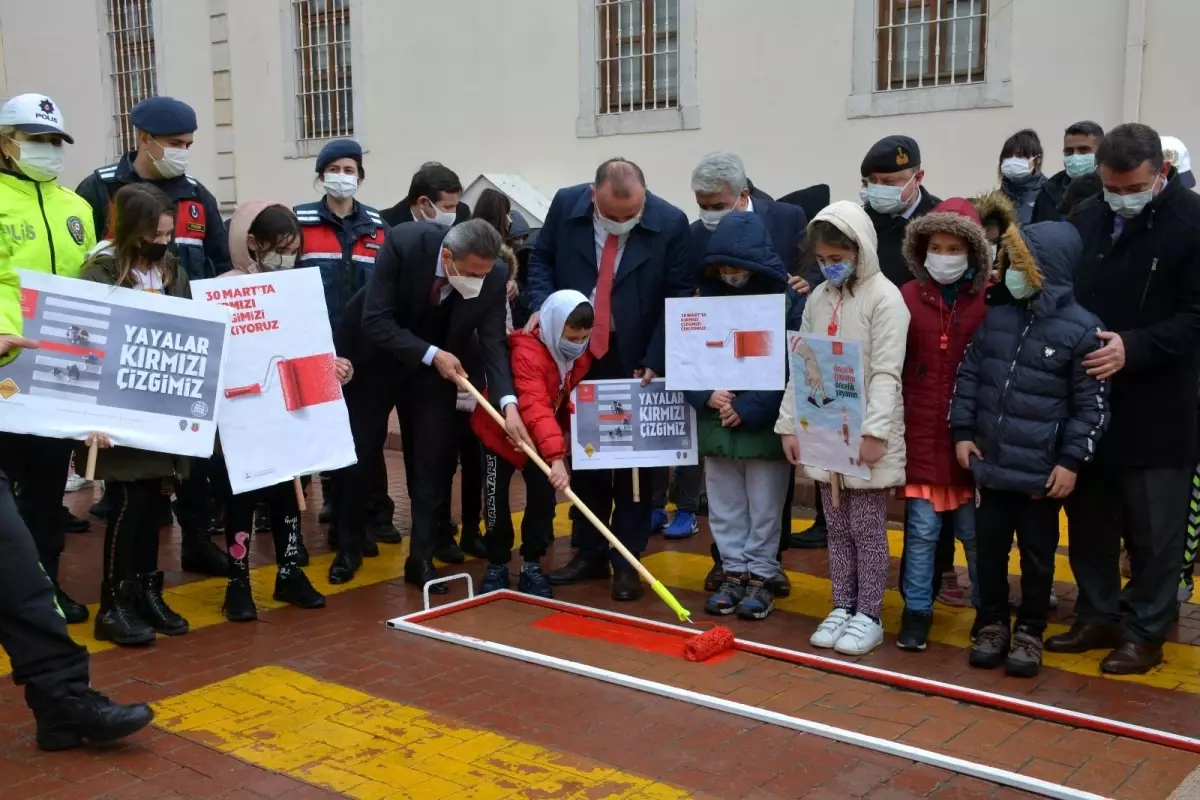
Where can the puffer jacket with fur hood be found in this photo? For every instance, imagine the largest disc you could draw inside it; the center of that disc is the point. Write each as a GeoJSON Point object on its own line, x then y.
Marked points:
{"type": "Point", "coordinates": [944, 318]}
{"type": "Point", "coordinates": [872, 312]}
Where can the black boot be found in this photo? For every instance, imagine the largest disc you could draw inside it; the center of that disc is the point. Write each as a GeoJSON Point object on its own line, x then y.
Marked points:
{"type": "Point", "coordinates": [418, 572]}
{"type": "Point", "coordinates": [344, 567]}
{"type": "Point", "coordinates": [293, 587]}
{"type": "Point", "coordinates": [581, 567]}
{"type": "Point", "coordinates": [118, 620]}
{"type": "Point", "coordinates": [198, 554]}
{"type": "Point", "coordinates": [154, 609]}
{"type": "Point", "coordinates": [73, 612]}
{"type": "Point", "coordinates": [239, 600]}
{"type": "Point", "coordinates": [384, 532]}
{"type": "Point", "coordinates": [88, 718]}
{"type": "Point", "coordinates": [471, 542]}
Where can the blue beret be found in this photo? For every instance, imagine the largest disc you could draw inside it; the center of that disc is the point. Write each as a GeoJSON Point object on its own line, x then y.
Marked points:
{"type": "Point", "coordinates": [338, 148]}
{"type": "Point", "coordinates": [892, 154]}
{"type": "Point", "coordinates": [163, 116]}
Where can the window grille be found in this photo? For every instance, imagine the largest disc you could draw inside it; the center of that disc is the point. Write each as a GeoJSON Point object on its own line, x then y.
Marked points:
{"type": "Point", "coordinates": [927, 43]}
{"type": "Point", "coordinates": [637, 55]}
{"type": "Point", "coordinates": [324, 82]}
{"type": "Point", "coordinates": [134, 78]}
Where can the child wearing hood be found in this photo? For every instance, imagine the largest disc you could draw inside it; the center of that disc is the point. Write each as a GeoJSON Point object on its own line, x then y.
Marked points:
{"type": "Point", "coordinates": [547, 364]}
{"type": "Point", "coordinates": [1025, 417]}
{"type": "Point", "coordinates": [746, 473]}
{"type": "Point", "coordinates": [856, 301]}
{"type": "Point", "coordinates": [265, 237]}
{"type": "Point", "coordinates": [950, 256]}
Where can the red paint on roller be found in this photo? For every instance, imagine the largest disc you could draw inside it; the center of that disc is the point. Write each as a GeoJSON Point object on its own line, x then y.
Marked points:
{"type": "Point", "coordinates": [306, 381]}
{"type": "Point", "coordinates": [746, 344]}
{"type": "Point", "coordinates": [618, 633]}
{"type": "Point", "coordinates": [713, 645]}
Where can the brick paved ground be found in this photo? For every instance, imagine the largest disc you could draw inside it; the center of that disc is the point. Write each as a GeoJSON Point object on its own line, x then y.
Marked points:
{"type": "Point", "coordinates": [359, 691]}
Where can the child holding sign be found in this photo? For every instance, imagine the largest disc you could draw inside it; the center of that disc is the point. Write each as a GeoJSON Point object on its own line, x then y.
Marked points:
{"type": "Point", "coordinates": [856, 302]}
{"type": "Point", "coordinates": [547, 365]}
{"type": "Point", "coordinates": [132, 608]}
{"type": "Point", "coordinates": [746, 473]}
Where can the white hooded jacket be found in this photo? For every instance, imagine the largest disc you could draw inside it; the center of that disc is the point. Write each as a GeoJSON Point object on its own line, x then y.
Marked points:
{"type": "Point", "coordinates": [872, 312]}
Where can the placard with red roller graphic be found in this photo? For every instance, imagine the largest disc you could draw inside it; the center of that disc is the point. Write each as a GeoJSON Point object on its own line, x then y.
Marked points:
{"type": "Point", "coordinates": [282, 411]}
{"type": "Point", "coordinates": [142, 368]}
{"type": "Point", "coordinates": [731, 343]}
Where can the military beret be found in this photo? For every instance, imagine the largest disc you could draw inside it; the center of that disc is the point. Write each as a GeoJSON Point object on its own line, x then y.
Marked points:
{"type": "Point", "coordinates": [339, 148]}
{"type": "Point", "coordinates": [891, 154]}
{"type": "Point", "coordinates": [163, 116]}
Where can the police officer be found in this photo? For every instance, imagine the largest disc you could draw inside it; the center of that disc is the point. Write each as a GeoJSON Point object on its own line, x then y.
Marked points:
{"type": "Point", "coordinates": [341, 239]}
{"type": "Point", "coordinates": [895, 197]}
{"type": "Point", "coordinates": [165, 131]}
{"type": "Point", "coordinates": [33, 632]}
{"type": "Point", "coordinates": [47, 228]}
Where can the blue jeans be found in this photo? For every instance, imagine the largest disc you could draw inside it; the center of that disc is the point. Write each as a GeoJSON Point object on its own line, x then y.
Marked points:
{"type": "Point", "coordinates": [923, 528]}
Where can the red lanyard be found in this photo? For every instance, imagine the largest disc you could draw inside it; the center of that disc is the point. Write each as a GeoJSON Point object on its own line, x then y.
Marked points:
{"type": "Point", "coordinates": [944, 338]}
{"type": "Point", "coordinates": [833, 321]}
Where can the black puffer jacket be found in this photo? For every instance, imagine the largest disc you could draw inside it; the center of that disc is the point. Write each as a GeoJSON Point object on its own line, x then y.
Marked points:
{"type": "Point", "coordinates": [1022, 394]}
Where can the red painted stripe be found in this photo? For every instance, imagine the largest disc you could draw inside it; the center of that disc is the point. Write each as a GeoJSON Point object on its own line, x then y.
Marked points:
{"type": "Point", "coordinates": [69, 349]}
{"type": "Point", "coordinates": [615, 417]}
{"type": "Point", "coordinates": [619, 633]}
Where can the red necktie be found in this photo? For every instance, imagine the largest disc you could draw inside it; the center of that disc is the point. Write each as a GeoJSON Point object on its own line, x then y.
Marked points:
{"type": "Point", "coordinates": [603, 304]}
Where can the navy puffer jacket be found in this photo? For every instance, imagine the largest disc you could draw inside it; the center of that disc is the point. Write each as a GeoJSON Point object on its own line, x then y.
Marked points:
{"type": "Point", "coordinates": [1022, 393]}
{"type": "Point", "coordinates": [741, 240]}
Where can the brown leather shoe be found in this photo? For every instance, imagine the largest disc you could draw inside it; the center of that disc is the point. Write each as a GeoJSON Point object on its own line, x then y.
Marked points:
{"type": "Point", "coordinates": [1132, 658]}
{"type": "Point", "coordinates": [1084, 637]}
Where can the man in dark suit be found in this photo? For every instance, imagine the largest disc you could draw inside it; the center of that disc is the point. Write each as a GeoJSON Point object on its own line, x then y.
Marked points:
{"type": "Point", "coordinates": [628, 250]}
{"type": "Point", "coordinates": [434, 195]}
{"type": "Point", "coordinates": [432, 292]}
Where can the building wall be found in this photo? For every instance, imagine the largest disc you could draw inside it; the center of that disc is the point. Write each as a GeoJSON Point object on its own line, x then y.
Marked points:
{"type": "Point", "coordinates": [488, 86]}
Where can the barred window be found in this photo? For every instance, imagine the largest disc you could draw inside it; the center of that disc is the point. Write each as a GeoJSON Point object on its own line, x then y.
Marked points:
{"type": "Point", "coordinates": [132, 53]}
{"type": "Point", "coordinates": [637, 55]}
{"type": "Point", "coordinates": [926, 43]}
{"type": "Point", "coordinates": [324, 85]}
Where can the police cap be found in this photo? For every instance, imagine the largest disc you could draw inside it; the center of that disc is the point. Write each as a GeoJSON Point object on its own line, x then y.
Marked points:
{"type": "Point", "coordinates": [892, 154]}
{"type": "Point", "coordinates": [163, 116]}
{"type": "Point", "coordinates": [338, 148]}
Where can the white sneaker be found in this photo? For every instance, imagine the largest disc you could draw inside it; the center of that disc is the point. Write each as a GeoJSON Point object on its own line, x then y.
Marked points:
{"type": "Point", "coordinates": [75, 483]}
{"type": "Point", "coordinates": [862, 635]}
{"type": "Point", "coordinates": [827, 632]}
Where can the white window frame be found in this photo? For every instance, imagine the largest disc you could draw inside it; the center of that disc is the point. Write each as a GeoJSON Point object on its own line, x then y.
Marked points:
{"type": "Point", "coordinates": [106, 70]}
{"type": "Point", "coordinates": [686, 117]}
{"type": "Point", "coordinates": [995, 92]}
{"type": "Point", "coordinates": [293, 145]}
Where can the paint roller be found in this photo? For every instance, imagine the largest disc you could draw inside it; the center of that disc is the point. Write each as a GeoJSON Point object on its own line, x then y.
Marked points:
{"type": "Point", "coordinates": [704, 645]}
{"type": "Point", "coordinates": [746, 344]}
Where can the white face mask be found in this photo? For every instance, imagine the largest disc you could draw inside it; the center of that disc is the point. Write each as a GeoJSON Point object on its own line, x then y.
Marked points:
{"type": "Point", "coordinates": [617, 228]}
{"type": "Point", "coordinates": [887, 199]}
{"type": "Point", "coordinates": [173, 163]}
{"type": "Point", "coordinates": [40, 161]}
{"type": "Point", "coordinates": [441, 217]}
{"type": "Point", "coordinates": [1016, 168]}
{"type": "Point", "coordinates": [946, 269]}
{"type": "Point", "coordinates": [712, 219]}
{"type": "Point", "coordinates": [465, 285]}
{"type": "Point", "coordinates": [340, 185]}
{"type": "Point", "coordinates": [277, 261]}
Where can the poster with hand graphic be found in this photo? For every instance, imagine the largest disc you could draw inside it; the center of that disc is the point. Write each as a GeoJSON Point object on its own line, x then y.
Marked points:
{"type": "Point", "coordinates": [143, 368]}
{"type": "Point", "coordinates": [733, 343]}
{"type": "Point", "coordinates": [620, 424]}
{"type": "Point", "coordinates": [282, 412]}
{"type": "Point", "coordinates": [831, 402]}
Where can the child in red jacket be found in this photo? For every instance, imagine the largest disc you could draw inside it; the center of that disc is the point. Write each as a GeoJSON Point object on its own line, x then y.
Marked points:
{"type": "Point", "coordinates": [546, 365]}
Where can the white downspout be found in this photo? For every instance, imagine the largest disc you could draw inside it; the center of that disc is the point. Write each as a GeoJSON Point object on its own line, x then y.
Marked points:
{"type": "Point", "coordinates": [1135, 51]}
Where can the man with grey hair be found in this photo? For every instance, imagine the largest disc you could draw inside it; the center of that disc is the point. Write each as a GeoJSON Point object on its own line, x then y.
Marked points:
{"type": "Point", "coordinates": [628, 250]}
{"type": "Point", "coordinates": [433, 290]}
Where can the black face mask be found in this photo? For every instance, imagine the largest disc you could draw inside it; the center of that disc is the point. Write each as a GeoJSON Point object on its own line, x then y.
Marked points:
{"type": "Point", "coordinates": [152, 251]}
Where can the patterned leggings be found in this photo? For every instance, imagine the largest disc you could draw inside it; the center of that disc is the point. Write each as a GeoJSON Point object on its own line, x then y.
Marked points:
{"type": "Point", "coordinates": [858, 548]}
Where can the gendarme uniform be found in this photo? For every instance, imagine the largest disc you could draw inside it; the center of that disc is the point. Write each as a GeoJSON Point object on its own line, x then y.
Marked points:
{"type": "Point", "coordinates": [200, 242]}
{"type": "Point", "coordinates": [894, 154]}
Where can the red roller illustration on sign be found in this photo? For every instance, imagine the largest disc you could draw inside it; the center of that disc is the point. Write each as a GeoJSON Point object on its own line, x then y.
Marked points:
{"type": "Point", "coordinates": [746, 344]}
{"type": "Point", "coordinates": [306, 382]}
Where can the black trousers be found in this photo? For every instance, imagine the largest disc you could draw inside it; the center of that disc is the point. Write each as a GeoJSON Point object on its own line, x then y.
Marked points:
{"type": "Point", "coordinates": [38, 466]}
{"type": "Point", "coordinates": [537, 524]}
{"type": "Point", "coordinates": [131, 531]}
{"type": "Point", "coordinates": [471, 482]}
{"type": "Point", "coordinates": [194, 498]}
{"type": "Point", "coordinates": [32, 630]}
{"type": "Point", "coordinates": [1149, 508]}
{"type": "Point", "coordinates": [1036, 525]}
{"type": "Point", "coordinates": [283, 509]}
{"type": "Point", "coordinates": [369, 401]}
{"type": "Point", "coordinates": [428, 427]}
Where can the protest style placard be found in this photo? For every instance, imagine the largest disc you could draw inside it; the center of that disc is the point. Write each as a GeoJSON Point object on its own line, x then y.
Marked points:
{"type": "Point", "coordinates": [143, 368]}
{"type": "Point", "coordinates": [621, 424]}
{"type": "Point", "coordinates": [282, 412]}
{"type": "Point", "coordinates": [732, 343]}
{"type": "Point", "coordinates": [830, 402]}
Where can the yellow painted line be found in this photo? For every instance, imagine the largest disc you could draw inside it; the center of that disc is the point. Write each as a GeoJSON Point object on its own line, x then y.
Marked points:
{"type": "Point", "coordinates": [200, 601]}
{"type": "Point", "coordinates": [811, 597]}
{"type": "Point", "coordinates": [368, 748]}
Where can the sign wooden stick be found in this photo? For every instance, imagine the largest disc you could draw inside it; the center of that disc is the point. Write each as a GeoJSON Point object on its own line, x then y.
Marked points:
{"type": "Point", "coordinates": [299, 487]}
{"type": "Point", "coordinates": [93, 452]}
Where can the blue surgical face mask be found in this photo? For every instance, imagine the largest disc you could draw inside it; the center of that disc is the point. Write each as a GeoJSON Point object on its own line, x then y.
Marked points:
{"type": "Point", "coordinates": [1079, 165]}
{"type": "Point", "coordinates": [571, 350]}
{"type": "Point", "coordinates": [887, 199]}
{"type": "Point", "coordinates": [1130, 205]}
{"type": "Point", "coordinates": [838, 274]}
{"type": "Point", "coordinates": [1017, 284]}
